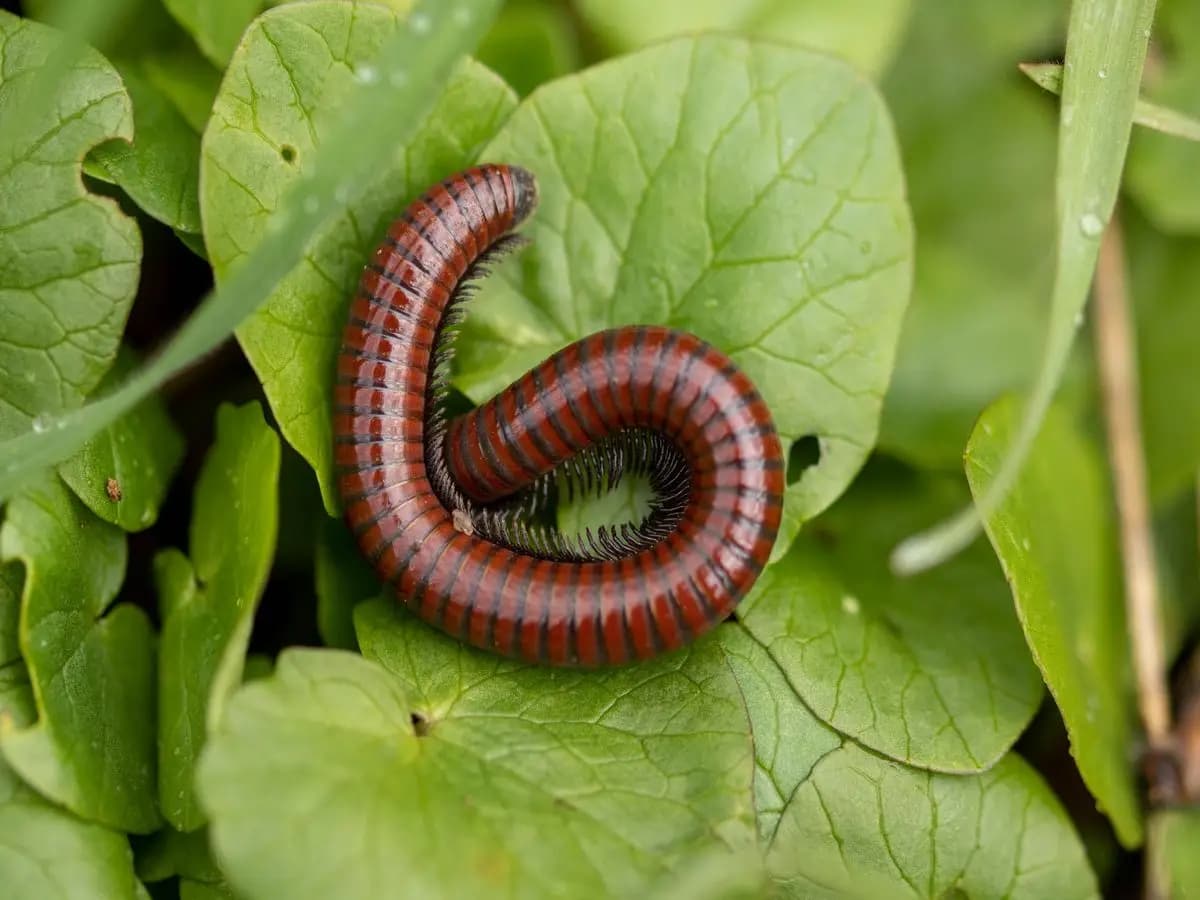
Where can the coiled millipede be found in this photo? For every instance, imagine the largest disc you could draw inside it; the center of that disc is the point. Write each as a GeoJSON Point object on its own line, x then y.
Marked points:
{"type": "Point", "coordinates": [446, 510]}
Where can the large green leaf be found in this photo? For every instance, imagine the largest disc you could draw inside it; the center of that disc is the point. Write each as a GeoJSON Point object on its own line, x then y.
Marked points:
{"type": "Point", "coordinates": [208, 607]}
{"type": "Point", "coordinates": [92, 668]}
{"type": "Point", "coordinates": [979, 161]}
{"type": "Point", "coordinates": [929, 670]}
{"type": "Point", "coordinates": [838, 821]}
{"type": "Point", "coordinates": [122, 474]}
{"type": "Point", "coordinates": [161, 168]}
{"type": "Point", "coordinates": [1055, 537]}
{"type": "Point", "coordinates": [753, 197]}
{"type": "Point", "coordinates": [68, 259]}
{"type": "Point", "coordinates": [1162, 168]}
{"type": "Point", "coordinates": [863, 31]}
{"type": "Point", "coordinates": [445, 772]}
{"type": "Point", "coordinates": [281, 90]}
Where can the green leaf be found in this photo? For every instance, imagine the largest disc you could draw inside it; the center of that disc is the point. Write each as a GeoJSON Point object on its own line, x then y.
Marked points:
{"type": "Point", "coordinates": [122, 474]}
{"type": "Point", "coordinates": [894, 662]}
{"type": "Point", "coordinates": [344, 579]}
{"type": "Point", "coordinates": [46, 852]}
{"type": "Point", "coordinates": [159, 170]}
{"type": "Point", "coordinates": [979, 164]}
{"type": "Point", "coordinates": [70, 259]}
{"type": "Point", "coordinates": [1106, 49]}
{"type": "Point", "coordinates": [1161, 172]}
{"type": "Point", "coordinates": [1160, 118]}
{"type": "Point", "coordinates": [1164, 284]}
{"type": "Point", "coordinates": [215, 26]}
{"type": "Point", "coordinates": [863, 31]}
{"type": "Point", "coordinates": [92, 668]}
{"type": "Point", "coordinates": [1055, 537]}
{"type": "Point", "coordinates": [375, 119]}
{"type": "Point", "coordinates": [837, 821]}
{"type": "Point", "coordinates": [207, 615]}
{"type": "Point", "coordinates": [531, 43]}
{"type": "Point", "coordinates": [457, 774]}
{"type": "Point", "coordinates": [628, 501]}
{"type": "Point", "coordinates": [1177, 867]}
{"type": "Point", "coordinates": [268, 122]}
{"type": "Point", "coordinates": [754, 197]}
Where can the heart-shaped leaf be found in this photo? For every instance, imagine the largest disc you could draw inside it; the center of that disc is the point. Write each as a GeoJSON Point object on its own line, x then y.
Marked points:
{"type": "Point", "coordinates": [753, 197]}
{"type": "Point", "coordinates": [1055, 537]}
{"type": "Point", "coordinates": [443, 771]}
{"type": "Point", "coordinates": [68, 259]}
{"type": "Point", "coordinates": [282, 88]}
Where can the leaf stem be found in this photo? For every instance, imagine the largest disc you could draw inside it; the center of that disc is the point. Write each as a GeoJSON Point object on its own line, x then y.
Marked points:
{"type": "Point", "coordinates": [1116, 358]}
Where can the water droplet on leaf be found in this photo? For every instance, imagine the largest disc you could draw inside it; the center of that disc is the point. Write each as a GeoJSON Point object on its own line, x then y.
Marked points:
{"type": "Point", "coordinates": [1091, 225]}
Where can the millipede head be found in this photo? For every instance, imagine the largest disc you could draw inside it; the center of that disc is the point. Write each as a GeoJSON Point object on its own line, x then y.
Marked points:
{"type": "Point", "coordinates": [525, 186]}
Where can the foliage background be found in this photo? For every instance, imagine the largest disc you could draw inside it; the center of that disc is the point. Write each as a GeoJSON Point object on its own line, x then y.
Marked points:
{"type": "Point", "coordinates": [201, 694]}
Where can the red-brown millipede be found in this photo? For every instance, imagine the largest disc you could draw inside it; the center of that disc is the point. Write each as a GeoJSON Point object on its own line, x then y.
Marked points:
{"type": "Point", "coordinates": [442, 509]}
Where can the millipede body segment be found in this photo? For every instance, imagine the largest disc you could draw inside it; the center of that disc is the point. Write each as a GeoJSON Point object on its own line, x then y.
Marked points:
{"type": "Point", "coordinates": [445, 510]}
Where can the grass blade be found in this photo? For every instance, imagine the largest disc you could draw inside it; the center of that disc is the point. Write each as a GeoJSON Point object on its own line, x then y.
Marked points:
{"type": "Point", "coordinates": [1151, 115]}
{"type": "Point", "coordinates": [1106, 50]}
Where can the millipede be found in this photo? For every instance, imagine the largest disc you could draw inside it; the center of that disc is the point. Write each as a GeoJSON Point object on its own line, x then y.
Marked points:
{"type": "Point", "coordinates": [453, 513]}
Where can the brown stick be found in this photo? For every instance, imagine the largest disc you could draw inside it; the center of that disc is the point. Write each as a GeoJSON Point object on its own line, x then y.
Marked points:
{"type": "Point", "coordinates": [1116, 357]}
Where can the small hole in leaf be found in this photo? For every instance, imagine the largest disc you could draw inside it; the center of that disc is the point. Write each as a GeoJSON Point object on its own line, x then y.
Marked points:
{"type": "Point", "coordinates": [288, 152]}
{"type": "Point", "coordinates": [804, 454]}
{"type": "Point", "coordinates": [420, 724]}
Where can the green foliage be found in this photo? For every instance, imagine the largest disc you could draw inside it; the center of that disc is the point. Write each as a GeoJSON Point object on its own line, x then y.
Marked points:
{"type": "Point", "coordinates": [775, 177]}
{"type": "Point", "coordinates": [798, 267]}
